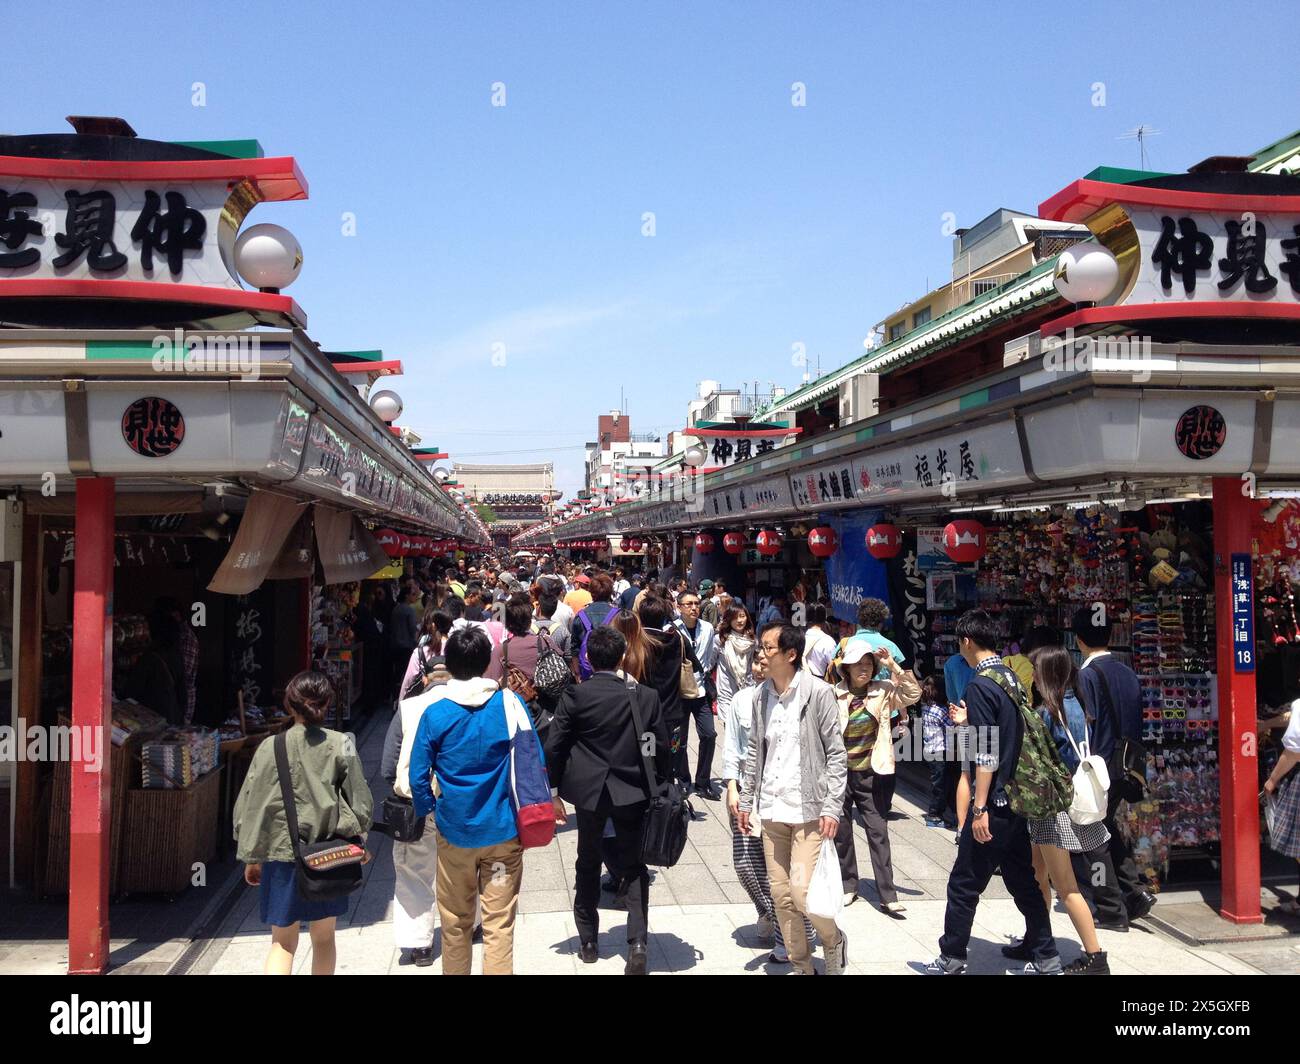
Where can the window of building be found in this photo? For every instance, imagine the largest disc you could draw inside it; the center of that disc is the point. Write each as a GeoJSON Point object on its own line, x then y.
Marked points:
{"type": "Point", "coordinates": [984, 284]}
{"type": "Point", "coordinates": [921, 317]}
{"type": "Point", "coordinates": [897, 329]}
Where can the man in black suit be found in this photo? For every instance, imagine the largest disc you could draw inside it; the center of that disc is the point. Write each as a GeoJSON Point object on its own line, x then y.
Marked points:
{"type": "Point", "coordinates": [594, 755]}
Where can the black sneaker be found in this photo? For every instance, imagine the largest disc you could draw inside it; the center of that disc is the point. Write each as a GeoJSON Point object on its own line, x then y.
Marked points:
{"type": "Point", "coordinates": [1088, 964]}
{"type": "Point", "coordinates": [588, 953]}
{"type": "Point", "coordinates": [1017, 951]}
{"type": "Point", "coordinates": [422, 958]}
{"type": "Point", "coordinates": [709, 792]}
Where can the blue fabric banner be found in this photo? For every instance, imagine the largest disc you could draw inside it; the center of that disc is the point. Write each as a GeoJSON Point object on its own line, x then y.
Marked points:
{"type": "Point", "coordinates": [851, 572]}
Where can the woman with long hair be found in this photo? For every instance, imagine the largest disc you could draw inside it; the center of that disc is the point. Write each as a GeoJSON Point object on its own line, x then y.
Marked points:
{"type": "Point", "coordinates": [637, 656]}
{"type": "Point", "coordinates": [735, 654]}
{"type": "Point", "coordinates": [435, 626]}
{"type": "Point", "coordinates": [1055, 838]}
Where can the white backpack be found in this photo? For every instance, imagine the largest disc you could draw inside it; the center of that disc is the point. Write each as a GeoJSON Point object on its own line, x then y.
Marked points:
{"type": "Point", "coordinates": [1091, 783]}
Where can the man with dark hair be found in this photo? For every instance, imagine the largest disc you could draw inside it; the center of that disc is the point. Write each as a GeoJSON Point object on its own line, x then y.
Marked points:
{"type": "Point", "coordinates": [1112, 694]}
{"type": "Point", "coordinates": [664, 673]}
{"type": "Point", "coordinates": [704, 653]}
{"type": "Point", "coordinates": [873, 615]}
{"type": "Point", "coordinates": [464, 739]}
{"type": "Point", "coordinates": [595, 755]}
{"type": "Point", "coordinates": [993, 836]}
{"type": "Point", "coordinates": [795, 774]}
{"type": "Point", "coordinates": [598, 612]}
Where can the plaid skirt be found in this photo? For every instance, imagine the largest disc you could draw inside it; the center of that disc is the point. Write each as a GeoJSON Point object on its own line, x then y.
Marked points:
{"type": "Point", "coordinates": [1063, 833]}
{"type": "Point", "coordinates": [1286, 818]}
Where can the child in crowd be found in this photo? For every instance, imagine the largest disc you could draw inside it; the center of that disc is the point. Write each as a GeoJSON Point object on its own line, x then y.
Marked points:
{"type": "Point", "coordinates": [935, 725]}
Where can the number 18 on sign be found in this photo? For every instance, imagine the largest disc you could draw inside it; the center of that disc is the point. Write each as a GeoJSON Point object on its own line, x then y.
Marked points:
{"type": "Point", "coordinates": [1243, 619]}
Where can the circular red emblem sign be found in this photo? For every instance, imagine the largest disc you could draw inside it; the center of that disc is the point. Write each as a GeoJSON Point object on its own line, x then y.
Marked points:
{"type": "Point", "coordinates": [1200, 432]}
{"type": "Point", "coordinates": [153, 427]}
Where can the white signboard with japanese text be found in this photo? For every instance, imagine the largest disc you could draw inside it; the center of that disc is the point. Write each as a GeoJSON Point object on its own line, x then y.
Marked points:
{"type": "Point", "coordinates": [114, 230]}
{"type": "Point", "coordinates": [769, 496]}
{"type": "Point", "coordinates": [1193, 256]}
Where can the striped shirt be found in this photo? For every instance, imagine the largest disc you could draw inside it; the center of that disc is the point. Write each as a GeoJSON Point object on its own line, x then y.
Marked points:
{"type": "Point", "coordinates": [860, 735]}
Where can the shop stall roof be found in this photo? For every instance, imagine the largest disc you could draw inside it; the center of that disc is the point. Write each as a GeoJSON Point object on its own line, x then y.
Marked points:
{"type": "Point", "coordinates": [289, 418]}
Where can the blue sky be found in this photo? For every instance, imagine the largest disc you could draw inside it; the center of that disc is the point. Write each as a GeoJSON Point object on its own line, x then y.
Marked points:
{"type": "Point", "coordinates": [774, 225]}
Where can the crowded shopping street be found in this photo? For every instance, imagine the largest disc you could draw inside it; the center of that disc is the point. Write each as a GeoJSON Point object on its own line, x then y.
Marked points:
{"type": "Point", "coordinates": [555, 488]}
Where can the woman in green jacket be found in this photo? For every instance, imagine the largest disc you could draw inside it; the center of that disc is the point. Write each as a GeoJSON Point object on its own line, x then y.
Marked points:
{"type": "Point", "coordinates": [331, 798]}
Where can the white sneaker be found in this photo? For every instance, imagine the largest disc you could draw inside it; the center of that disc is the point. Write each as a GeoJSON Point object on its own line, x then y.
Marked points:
{"type": "Point", "coordinates": [849, 899]}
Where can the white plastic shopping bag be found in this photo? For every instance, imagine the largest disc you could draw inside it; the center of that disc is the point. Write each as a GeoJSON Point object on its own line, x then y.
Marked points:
{"type": "Point", "coordinates": [825, 891]}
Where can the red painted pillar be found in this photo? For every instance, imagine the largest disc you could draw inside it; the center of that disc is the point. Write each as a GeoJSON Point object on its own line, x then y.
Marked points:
{"type": "Point", "coordinates": [1238, 755]}
{"type": "Point", "coordinates": [92, 689]}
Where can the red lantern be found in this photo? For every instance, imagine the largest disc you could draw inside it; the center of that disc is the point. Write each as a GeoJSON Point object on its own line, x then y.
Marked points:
{"type": "Point", "coordinates": [632, 545]}
{"type": "Point", "coordinates": [704, 543]}
{"type": "Point", "coordinates": [769, 543]}
{"type": "Point", "coordinates": [884, 541]}
{"type": "Point", "coordinates": [964, 541]}
{"type": "Point", "coordinates": [733, 542]}
{"type": "Point", "coordinates": [391, 542]}
{"type": "Point", "coordinates": [823, 542]}
{"type": "Point", "coordinates": [408, 546]}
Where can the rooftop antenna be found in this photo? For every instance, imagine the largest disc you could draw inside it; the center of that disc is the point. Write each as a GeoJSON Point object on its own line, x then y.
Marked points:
{"type": "Point", "coordinates": [1140, 134]}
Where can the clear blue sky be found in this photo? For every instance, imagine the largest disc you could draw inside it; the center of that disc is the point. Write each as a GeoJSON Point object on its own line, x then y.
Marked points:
{"type": "Point", "coordinates": [775, 225]}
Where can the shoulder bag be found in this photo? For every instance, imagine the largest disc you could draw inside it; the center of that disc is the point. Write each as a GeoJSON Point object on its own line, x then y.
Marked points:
{"type": "Point", "coordinates": [1128, 761]}
{"type": "Point", "coordinates": [667, 817]}
{"type": "Point", "coordinates": [325, 870]}
{"type": "Point", "coordinates": [530, 790]}
{"type": "Point", "coordinates": [686, 684]}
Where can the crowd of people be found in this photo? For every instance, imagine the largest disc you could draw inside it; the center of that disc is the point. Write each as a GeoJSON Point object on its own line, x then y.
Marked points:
{"type": "Point", "coordinates": [609, 671]}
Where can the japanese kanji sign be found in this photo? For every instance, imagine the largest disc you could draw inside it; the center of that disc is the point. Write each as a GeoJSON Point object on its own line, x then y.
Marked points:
{"type": "Point", "coordinates": [1243, 615]}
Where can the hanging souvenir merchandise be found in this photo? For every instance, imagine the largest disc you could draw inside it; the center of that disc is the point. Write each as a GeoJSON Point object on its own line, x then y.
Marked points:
{"type": "Point", "coordinates": [1150, 570]}
{"type": "Point", "coordinates": [334, 649]}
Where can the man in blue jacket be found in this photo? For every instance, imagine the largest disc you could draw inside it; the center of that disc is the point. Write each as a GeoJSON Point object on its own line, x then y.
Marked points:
{"type": "Point", "coordinates": [464, 740]}
{"type": "Point", "coordinates": [1112, 694]}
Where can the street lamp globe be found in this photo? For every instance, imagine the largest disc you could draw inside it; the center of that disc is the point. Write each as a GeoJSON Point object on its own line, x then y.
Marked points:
{"type": "Point", "coordinates": [268, 256]}
{"type": "Point", "coordinates": [387, 405]}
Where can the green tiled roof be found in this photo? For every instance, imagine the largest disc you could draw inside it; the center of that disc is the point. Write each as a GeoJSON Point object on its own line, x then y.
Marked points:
{"type": "Point", "coordinates": [234, 149]}
{"type": "Point", "coordinates": [882, 355]}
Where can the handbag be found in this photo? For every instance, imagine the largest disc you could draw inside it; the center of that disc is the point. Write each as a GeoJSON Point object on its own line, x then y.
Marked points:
{"type": "Point", "coordinates": [668, 815]}
{"type": "Point", "coordinates": [686, 684]}
{"type": "Point", "coordinates": [324, 870]}
{"type": "Point", "coordinates": [400, 822]}
{"type": "Point", "coordinates": [514, 678]}
{"type": "Point", "coordinates": [1091, 782]}
{"type": "Point", "coordinates": [552, 673]}
{"type": "Point", "coordinates": [530, 789]}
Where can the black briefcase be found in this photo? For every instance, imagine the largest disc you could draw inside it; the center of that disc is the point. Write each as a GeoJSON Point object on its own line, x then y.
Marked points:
{"type": "Point", "coordinates": [668, 816]}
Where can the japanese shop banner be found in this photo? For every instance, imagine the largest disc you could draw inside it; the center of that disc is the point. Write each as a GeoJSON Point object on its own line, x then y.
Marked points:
{"type": "Point", "coordinates": [769, 496]}
{"type": "Point", "coordinates": [1194, 256]}
{"type": "Point", "coordinates": [836, 484]}
{"type": "Point", "coordinates": [851, 573]}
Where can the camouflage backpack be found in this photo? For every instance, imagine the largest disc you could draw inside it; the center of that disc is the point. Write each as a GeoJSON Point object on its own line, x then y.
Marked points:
{"type": "Point", "coordinates": [1040, 786]}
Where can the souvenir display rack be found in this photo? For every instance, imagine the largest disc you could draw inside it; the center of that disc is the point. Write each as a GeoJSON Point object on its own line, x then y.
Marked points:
{"type": "Point", "coordinates": [334, 649]}
{"type": "Point", "coordinates": [1150, 570]}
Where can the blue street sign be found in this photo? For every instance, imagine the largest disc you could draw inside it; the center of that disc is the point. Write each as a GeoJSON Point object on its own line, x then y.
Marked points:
{"type": "Point", "coordinates": [1243, 614]}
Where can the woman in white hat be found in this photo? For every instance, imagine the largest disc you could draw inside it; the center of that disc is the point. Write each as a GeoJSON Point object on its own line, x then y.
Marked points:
{"type": "Point", "coordinates": [867, 706]}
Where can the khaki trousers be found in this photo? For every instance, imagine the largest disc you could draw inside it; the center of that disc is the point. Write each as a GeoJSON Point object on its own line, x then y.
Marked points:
{"type": "Point", "coordinates": [791, 851]}
{"type": "Point", "coordinates": [486, 875]}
